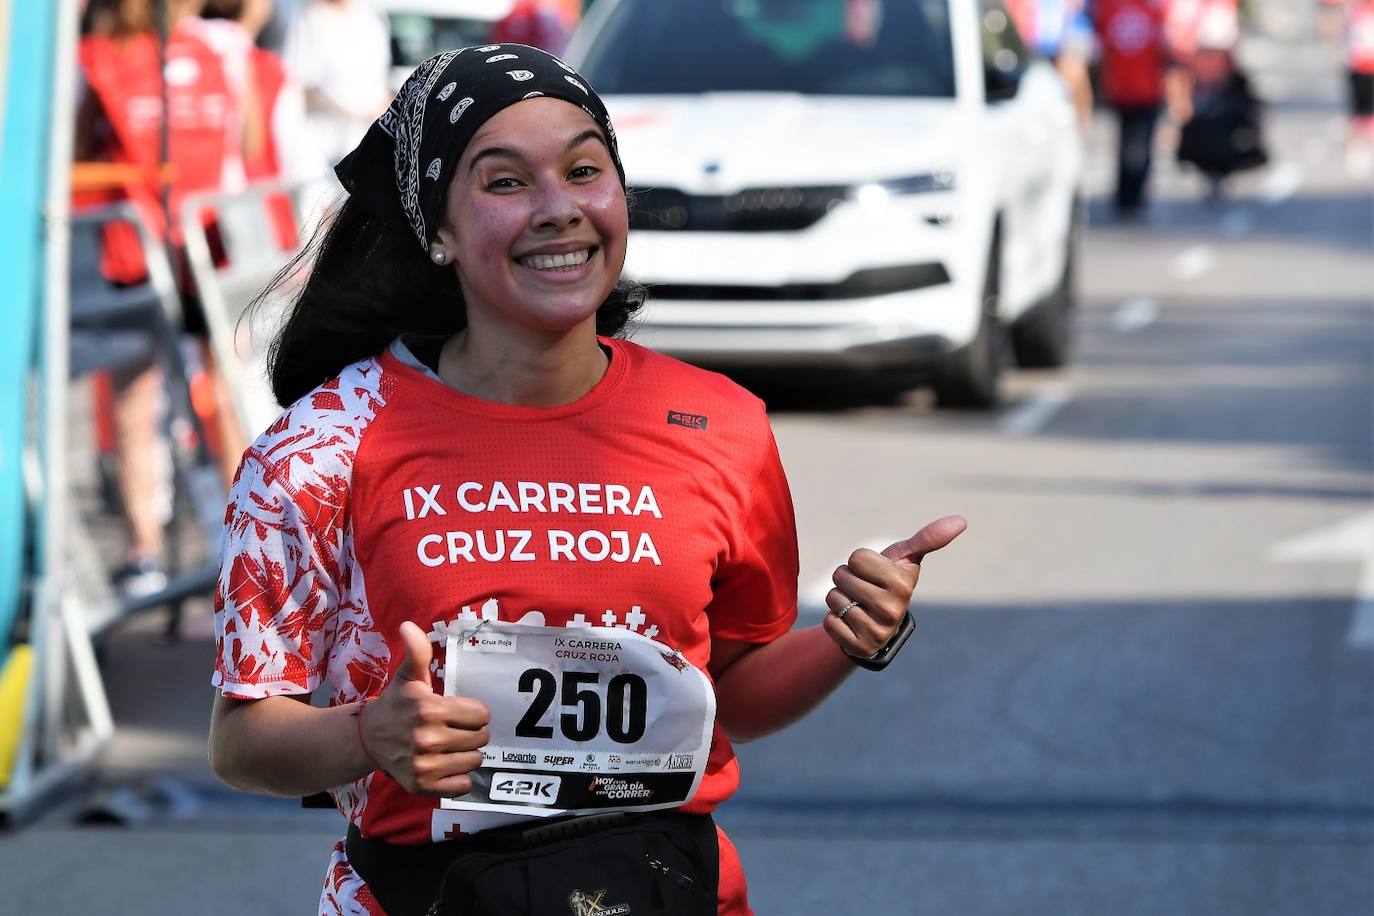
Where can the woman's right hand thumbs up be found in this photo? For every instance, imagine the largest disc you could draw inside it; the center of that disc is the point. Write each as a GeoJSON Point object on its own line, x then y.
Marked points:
{"type": "Point", "coordinates": [426, 742]}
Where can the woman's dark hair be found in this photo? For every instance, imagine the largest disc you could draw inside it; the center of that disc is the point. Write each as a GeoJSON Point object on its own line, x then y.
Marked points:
{"type": "Point", "coordinates": [368, 284]}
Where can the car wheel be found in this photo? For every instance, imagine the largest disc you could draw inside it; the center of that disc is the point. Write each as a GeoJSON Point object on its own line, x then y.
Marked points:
{"type": "Point", "coordinates": [1043, 337]}
{"type": "Point", "coordinates": [971, 375]}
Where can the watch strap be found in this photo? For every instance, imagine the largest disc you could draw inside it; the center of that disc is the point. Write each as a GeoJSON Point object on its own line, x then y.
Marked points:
{"type": "Point", "coordinates": [884, 656]}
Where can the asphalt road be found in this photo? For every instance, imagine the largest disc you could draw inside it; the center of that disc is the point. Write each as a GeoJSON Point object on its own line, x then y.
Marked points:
{"type": "Point", "coordinates": [1143, 681]}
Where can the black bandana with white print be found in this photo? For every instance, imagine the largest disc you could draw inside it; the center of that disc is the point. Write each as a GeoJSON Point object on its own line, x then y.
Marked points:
{"type": "Point", "coordinates": [408, 154]}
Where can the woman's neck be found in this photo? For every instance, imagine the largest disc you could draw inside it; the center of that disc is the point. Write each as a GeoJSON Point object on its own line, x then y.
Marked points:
{"type": "Point", "coordinates": [523, 372]}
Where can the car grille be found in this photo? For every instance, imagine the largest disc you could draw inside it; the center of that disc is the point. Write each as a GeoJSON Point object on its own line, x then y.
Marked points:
{"type": "Point", "coordinates": [877, 281]}
{"type": "Point", "coordinates": [750, 210]}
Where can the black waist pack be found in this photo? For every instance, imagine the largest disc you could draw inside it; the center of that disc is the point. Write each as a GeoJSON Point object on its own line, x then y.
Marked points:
{"type": "Point", "coordinates": [607, 865]}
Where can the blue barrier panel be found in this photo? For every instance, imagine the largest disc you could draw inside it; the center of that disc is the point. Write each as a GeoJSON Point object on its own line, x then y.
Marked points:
{"type": "Point", "coordinates": [26, 54]}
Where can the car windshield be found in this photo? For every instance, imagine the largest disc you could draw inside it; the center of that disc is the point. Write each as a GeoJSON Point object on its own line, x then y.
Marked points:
{"type": "Point", "coordinates": [416, 38]}
{"type": "Point", "coordinates": [818, 47]}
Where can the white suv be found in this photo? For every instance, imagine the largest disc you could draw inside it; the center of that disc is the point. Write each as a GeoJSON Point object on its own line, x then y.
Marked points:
{"type": "Point", "coordinates": [872, 184]}
{"type": "Point", "coordinates": [422, 28]}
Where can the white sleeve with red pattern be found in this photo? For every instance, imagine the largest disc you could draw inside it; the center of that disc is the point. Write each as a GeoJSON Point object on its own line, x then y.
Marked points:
{"type": "Point", "coordinates": [275, 603]}
{"type": "Point", "coordinates": [291, 605]}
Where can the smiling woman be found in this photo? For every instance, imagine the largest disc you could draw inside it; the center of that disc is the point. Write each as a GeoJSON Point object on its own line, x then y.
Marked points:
{"type": "Point", "coordinates": [384, 267]}
{"type": "Point", "coordinates": [465, 431]}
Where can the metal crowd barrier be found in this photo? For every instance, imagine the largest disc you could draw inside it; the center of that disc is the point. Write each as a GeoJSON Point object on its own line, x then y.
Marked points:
{"type": "Point", "coordinates": [251, 236]}
{"type": "Point", "coordinates": [125, 320]}
{"type": "Point", "coordinates": [66, 721]}
{"type": "Point", "coordinates": [91, 326]}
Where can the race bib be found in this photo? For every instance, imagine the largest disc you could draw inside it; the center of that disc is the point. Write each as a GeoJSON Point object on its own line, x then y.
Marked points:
{"type": "Point", "coordinates": [583, 719]}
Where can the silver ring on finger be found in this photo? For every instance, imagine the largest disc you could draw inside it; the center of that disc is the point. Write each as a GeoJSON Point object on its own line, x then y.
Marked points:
{"type": "Point", "coordinates": [839, 615]}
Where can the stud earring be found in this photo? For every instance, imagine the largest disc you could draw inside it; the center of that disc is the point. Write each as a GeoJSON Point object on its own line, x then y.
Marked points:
{"type": "Point", "coordinates": [438, 256]}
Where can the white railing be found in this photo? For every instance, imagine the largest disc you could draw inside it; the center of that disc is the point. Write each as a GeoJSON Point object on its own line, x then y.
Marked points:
{"type": "Point", "coordinates": [257, 231]}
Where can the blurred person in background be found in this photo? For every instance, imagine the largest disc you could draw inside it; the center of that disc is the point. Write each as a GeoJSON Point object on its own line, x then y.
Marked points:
{"type": "Point", "coordinates": [1188, 20]}
{"type": "Point", "coordinates": [1137, 73]}
{"type": "Point", "coordinates": [262, 76]}
{"type": "Point", "coordinates": [1359, 58]}
{"type": "Point", "coordinates": [218, 26]}
{"type": "Point", "coordinates": [119, 116]}
{"type": "Point", "coordinates": [1222, 134]}
{"type": "Point", "coordinates": [277, 145]}
{"type": "Point", "coordinates": [1061, 31]}
{"type": "Point", "coordinates": [120, 121]}
{"type": "Point", "coordinates": [570, 11]}
{"type": "Point", "coordinates": [289, 151]}
{"type": "Point", "coordinates": [339, 52]}
{"type": "Point", "coordinates": [462, 322]}
{"type": "Point", "coordinates": [534, 23]}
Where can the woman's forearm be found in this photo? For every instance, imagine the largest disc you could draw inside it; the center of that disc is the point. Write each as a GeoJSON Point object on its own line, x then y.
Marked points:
{"type": "Point", "coordinates": [774, 685]}
{"type": "Point", "coordinates": [280, 746]}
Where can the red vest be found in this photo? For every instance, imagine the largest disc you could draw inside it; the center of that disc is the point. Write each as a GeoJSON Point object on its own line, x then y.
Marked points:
{"type": "Point", "coordinates": [269, 78]}
{"type": "Point", "coordinates": [1134, 53]}
{"type": "Point", "coordinates": [123, 74]}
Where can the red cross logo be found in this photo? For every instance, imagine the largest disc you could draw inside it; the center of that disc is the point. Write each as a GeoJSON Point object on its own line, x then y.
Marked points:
{"type": "Point", "coordinates": [472, 640]}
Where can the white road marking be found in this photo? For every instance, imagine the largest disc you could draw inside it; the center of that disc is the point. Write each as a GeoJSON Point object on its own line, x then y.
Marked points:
{"type": "Point", "coordinates": [1351, 539]}
{"type": "Point", "coordinates": [1282, 182]}
{"type": "Point", "coordinates": [1134, 314]}
{"type": "Point", "coordinates": [1037, 410]}
{"type": "Point", "coordinates": [1194, 262]}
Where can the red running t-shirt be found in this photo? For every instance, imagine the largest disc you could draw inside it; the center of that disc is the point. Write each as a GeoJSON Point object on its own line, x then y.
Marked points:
{"type": "Point", "coordinates": [1135, 54]}
{"type": "Point", "coordinates": [656, 502]}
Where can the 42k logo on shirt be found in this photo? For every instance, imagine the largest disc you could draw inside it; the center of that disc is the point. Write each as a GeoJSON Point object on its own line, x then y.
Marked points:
{"type": "Point", "coordinates": [689, 420]}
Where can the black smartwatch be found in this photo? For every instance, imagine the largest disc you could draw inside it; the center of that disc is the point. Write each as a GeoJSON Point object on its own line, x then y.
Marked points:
{"type": "Point", "coordinates": [884, 656]}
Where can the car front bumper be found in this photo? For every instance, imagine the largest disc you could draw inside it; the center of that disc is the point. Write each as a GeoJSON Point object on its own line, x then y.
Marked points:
{"type": "Point", "coordinates": [863, 289]}
{"type": "Point", "coordinates": [896, 330]}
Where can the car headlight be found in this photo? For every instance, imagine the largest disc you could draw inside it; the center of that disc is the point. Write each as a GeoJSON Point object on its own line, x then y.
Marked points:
{"type": "Point", "coordinates": [878, 192]}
